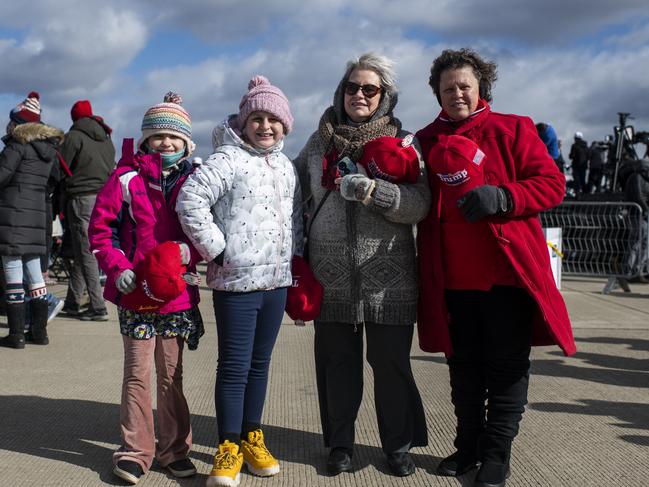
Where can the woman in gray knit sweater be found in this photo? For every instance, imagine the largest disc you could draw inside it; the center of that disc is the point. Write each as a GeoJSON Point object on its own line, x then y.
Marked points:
{"type": "Point", "coordinates": [361, 248]}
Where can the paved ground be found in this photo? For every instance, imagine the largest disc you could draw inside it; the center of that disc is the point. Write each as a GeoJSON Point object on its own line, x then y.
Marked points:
{"type": "Point", "coordinates": [586, 425]}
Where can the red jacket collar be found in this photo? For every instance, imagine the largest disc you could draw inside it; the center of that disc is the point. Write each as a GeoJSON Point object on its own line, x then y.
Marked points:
{"type": "Point", "coordinates": [444, 124]}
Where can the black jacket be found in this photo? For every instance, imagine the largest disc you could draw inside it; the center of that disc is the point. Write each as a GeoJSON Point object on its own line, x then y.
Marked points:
{"type": "Point", "coordinates": [26, 163]}
{"type": "Point", "coordinates": [579, 153]}
{"type": "Point", "coordinates": [89, 152]}
{"type": "Point", "coordinates": [634, 176]}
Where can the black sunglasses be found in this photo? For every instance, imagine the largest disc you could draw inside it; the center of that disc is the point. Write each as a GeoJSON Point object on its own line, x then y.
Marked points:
{"type": "Point", "coordinates": [369, 91]}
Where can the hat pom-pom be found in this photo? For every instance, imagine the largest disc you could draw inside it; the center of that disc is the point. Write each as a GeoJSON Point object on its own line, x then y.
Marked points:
{"type": "Point", "coordinates": [34, 94]}
{"type": "Point", "coordinates": [258, 80]}
{"type": "Point", "coordinates": [172, 97]}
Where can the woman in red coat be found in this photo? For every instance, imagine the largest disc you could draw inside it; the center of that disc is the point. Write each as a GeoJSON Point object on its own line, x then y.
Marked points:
{"type": "Point", "coordinates": [486, 288]}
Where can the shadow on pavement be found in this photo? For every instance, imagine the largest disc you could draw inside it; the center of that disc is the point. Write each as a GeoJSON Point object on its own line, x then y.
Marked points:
{"type": "Point", "coordinates": [66, 430]}
{"type": "Point", "coordinates": [84, 433]}
{"type": "Point", "coordinates": [438, 359]}
{"type": "Point", "coordinates": [618, 370]}
{"type": "Point", "coordinates": [633, 343]}
{"type": "Point", "coordinates": [559, 368]}
{"type": "Point", "coordinates": [631, 415]}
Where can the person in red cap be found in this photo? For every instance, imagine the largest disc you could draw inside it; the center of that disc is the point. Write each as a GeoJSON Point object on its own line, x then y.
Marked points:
{"type": "Point", "coordinates": [89, 153]}
{"type": "Point", "coordinates": [139, 243]}
{"type": "Point", "coordinates": [28, 160]}
{"type": "Point", "coordinates": [487, 291]}
{"type": "Point", "coordinates": [361, 249]}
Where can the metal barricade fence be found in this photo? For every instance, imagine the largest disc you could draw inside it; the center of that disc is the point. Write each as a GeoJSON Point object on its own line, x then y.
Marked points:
{"type": "Point", "coordinates": [603, 239]}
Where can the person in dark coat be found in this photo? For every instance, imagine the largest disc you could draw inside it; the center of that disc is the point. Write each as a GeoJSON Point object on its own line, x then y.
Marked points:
{"type": "Point", "coordinates": [90, 154]}
{"type": "Point", "coordinates": [634, 178]}
{"type": "Point", "coordinates": [26, 163]}
{"type": "Point", "coordinates": [595, 167]}
{"type": "Point", "coordinates": [579, 157]}
{"type": "Point", "coordinates": [486, 288]}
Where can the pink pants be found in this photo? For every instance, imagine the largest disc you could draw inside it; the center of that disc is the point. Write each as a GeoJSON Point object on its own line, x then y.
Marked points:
{"type": "Point", "coordinates": [136, 414]}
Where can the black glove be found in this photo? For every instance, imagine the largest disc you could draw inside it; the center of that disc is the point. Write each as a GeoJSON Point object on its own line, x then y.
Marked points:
{"type": "Point", "coordinates": [483, 201]}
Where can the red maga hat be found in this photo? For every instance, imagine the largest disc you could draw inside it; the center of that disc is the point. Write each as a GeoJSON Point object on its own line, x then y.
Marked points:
{"type": "Point", "coordinates": [304, 297]}
{"type": "Point", "coordinates": [458, 163]}
{"type": "Point", "coordinates": [159, 279]}
{"type": "Point", "coordinates": [391, 159]}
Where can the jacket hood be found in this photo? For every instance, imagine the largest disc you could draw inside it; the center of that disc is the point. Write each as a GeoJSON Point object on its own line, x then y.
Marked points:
{"type": "Point", "coordinates": [92, 128]}
{"type": "Point", "coordinates": [30, 132]}
{"type": "Point", "coordinates": [228, 133]}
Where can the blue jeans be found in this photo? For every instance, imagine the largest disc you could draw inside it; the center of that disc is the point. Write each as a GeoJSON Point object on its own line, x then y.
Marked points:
{"type": "Point", "coordinates": [247, 325]}
{"type": "Point", "coordinates": [17, 268]}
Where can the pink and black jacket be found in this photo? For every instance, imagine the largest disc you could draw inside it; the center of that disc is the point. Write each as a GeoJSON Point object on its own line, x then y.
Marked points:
{"type": "Point", "coordinates": [133, 214]}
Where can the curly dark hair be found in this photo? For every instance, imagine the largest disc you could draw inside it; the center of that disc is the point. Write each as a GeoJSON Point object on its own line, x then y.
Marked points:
{"type": "Point", "coordinates": [484, 71]}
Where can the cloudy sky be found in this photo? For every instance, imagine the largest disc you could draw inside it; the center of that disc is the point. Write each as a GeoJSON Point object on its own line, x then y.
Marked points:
{"type": "Point", "coordinates": [572, 63]}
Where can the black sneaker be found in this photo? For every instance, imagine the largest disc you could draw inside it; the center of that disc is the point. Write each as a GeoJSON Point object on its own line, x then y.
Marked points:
{"type": "Point", "coordinates": [69, 311]}
{"type": "Point", "coordinates": [128, 470]}
{"type": "Point", "coordinates": [90, 315]}
{"type": "Point", "coordinates": [182, 468]}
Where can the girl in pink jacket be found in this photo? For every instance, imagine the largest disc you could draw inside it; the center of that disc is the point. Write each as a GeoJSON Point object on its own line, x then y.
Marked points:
{"type": "Point", "coordinates": [133, 215]}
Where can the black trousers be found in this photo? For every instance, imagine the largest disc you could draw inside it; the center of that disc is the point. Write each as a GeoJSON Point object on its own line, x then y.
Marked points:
{"type": "Point", "coordinates": [339, 374]}
{"type": "Point", "coordinates": [489, 368]}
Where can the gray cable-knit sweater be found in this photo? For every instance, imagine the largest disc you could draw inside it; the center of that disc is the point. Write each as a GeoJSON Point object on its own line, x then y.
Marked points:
{"type": "Point", "coordinates": [364, 256]}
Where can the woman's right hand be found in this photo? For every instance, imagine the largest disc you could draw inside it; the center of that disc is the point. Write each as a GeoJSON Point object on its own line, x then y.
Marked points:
{"type": "Point", "coordinates": [126, 282]}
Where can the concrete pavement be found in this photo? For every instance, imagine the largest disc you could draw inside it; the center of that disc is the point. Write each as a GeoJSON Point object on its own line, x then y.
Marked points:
{"type": "Point", "coordinates": [587, 423]}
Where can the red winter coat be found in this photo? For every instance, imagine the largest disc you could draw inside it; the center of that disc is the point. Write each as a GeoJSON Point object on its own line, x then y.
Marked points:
{"type": "Point", "coordinates": [516, 159]}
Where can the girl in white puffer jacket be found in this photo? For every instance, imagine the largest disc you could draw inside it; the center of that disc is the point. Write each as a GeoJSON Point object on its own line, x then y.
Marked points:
{"type": "Point", "coordinates": [242, 211]}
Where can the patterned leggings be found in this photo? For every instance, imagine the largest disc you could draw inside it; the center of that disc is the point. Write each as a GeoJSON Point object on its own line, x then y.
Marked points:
{"type": "Point", "coordinates": [16, 268]}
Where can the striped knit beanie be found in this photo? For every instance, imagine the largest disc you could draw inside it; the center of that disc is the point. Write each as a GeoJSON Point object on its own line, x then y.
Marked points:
{"type": "Point", "coordinates": [27, 111]}
{"type": "Point", "coordinates": [168, 117]}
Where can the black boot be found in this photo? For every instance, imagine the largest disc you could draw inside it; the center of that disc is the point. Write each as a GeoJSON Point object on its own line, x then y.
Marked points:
{"type": "Point", "coordinates": [492, 475]}
{"type": "Point", "coordinates": [39, 321]}
{"type": "Point", "coordinates": [468, 396]}
{"type": "Point", "coordinates": [16, 320]}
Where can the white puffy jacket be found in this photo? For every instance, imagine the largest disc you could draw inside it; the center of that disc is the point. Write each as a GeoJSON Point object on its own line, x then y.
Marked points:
{"type": "Point", "coordinates": [243, 207]}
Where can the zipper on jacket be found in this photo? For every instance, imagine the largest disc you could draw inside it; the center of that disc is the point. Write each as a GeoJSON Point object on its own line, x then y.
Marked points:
{"type": "Point", "coordinates": [278, 198]}
{"type": "Point", "coordinates": [352, 240]}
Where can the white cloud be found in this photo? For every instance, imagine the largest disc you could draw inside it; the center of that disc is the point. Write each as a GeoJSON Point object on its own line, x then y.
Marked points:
{"type": "Point", "coordinates": [68, 50]}
{"type": "Point", "coordinates": [555, 63]}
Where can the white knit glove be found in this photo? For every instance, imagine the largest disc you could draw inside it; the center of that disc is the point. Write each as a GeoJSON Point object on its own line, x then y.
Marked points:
{"type": "Point", "coordinates": [126, 282]}
{"type": "Point", "coordinates": [356, 187]}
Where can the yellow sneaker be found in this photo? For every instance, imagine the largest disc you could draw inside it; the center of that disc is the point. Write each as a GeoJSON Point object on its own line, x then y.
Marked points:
{"type": "Point", "coordinates": [227, 465]}
{"type": "Point", "coordinates": [257, 457]}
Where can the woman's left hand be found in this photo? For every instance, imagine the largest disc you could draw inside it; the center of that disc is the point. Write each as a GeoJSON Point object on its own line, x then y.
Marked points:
{"type": "Point", "coordinates": [483, 201]}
